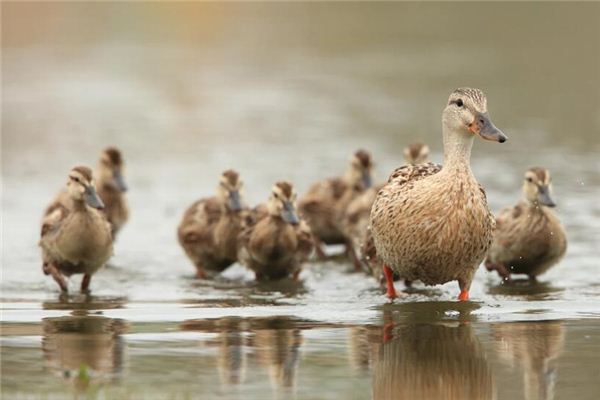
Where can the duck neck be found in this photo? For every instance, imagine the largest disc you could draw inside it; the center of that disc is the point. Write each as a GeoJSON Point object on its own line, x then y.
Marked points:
{"type": "Point", "coordinates": [457, 151]}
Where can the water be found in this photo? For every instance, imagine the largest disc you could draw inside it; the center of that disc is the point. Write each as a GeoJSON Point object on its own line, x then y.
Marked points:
{"type": "Point", "coordinates": [288, 91]}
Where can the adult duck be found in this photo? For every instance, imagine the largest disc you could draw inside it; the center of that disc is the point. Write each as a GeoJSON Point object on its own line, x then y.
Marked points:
{"type": "Point", "coordinates": [432, 223]}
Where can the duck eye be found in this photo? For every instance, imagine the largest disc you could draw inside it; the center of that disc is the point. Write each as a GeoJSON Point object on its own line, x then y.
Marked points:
{"type": "Point", "coordinates": [529, 179]}
{"type": "Point", "coordinates": [459, 102]}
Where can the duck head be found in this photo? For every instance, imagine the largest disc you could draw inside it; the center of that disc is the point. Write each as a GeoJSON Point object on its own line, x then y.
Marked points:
{"type": "Point", "coordinates": [360, 170]}
{"type": "Point", "coordinates": [416, 153]}
{"type": "Point", "coordinates": [81, 187]}
{"type": "Point", "coordinates": [229, 190]}
{"type": "Point", "coordinates": [110, 170]}
{"type": "Point", "coordinates": [537, 187]}
{"type": "Point", "coordinates": [282, 202]}
{"type": "Point", "coordinates": [467, 113]}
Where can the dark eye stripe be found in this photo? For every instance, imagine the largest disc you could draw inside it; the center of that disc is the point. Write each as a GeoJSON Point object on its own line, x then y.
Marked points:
{"type": "Point", "coordinates": [458, 102]}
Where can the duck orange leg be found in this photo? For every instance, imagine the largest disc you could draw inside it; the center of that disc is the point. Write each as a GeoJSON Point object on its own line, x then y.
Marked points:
{"type": "Point", "coordinates": [389, 282]}
{"type": "Point", "coordinates": [464, 290]}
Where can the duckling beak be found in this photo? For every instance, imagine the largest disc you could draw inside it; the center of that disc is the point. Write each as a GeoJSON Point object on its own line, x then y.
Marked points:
{"type": "Point", "coordinates": [119, 182]}
{"type": "Point", "coordinates": [482, 125]}
{"type": "Point", "coordinates": [235, 202]}
{"type": "Point", "coordinates": [92, 199]}
{"type": "Point", "coordinates": [288, 214]}
{"type": "Point", "coordinates": [366, 179]}
{"type": "Point", "coordinates": [544, 197]}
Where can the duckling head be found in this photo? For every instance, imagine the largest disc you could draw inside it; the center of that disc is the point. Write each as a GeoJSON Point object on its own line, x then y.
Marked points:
{"type": "Point", "coordinates": [81, 187]}
{"type": "Point", "coordinates": [282, 202]}
{"type": "Point", "coordinates": [230, 190]}
{"type": "Point", "coordinates": [360, 171]}
{"type": "Point", "coordinates": [416, 153]}
{"type": "Point", "coordinates": [537, 187]}
{"type": "Point", "coordinates": [467, 113]}
{"type": "Point", "coordinates": [110, 170]}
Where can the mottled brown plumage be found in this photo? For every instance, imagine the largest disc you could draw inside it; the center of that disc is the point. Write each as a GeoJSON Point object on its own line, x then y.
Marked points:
{"type": "Point", "coordinates": [112, 188]}
{"type": "Point", "coordinates": [529, 238]}
{"type": "Point", "coordinates": [209, 229]}
{"type": "Point", "coordinates": [356, 219]}
{"type": "Point", "coordinates": [433, 224]}
{"type": "Point", "coordinates": [75, 236]}
{"type": "Point", "coordinates": [324, 204]}
{"type": "Point", "coordinates": [275, 243]}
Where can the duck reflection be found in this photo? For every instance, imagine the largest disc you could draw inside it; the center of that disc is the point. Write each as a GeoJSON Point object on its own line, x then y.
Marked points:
{"type": "Point", "coordinates": [535, 346]}
{"type": "Point", "coordinates": [82, 346]}
{"type": "Point", "coordinates": [430, 360]}
{"type": "Point", "coordinates": [277, 347]}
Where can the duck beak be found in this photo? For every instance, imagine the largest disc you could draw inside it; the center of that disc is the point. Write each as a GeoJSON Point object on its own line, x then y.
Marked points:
{"type": "Point", "coordinates": [119, 182]}
{"type": "Point", "coordinates": [289, 214]}
{"type": "Point", "coordinates": [235, 202]}
{"type": "Point", "coordinates": [482, 125]}
{"type": "Point", "coordinates": [92, 199]}
{"type": "Point", "coordinates": [544, 197]}
{"type": "Point", "coordinates": [366, 179]}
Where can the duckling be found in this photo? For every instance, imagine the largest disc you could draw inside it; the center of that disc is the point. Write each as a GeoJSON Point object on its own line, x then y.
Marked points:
{"type": "Point", "coordinates": [278, 242]}
{"type": "Point", "coordinates": [76, 237]}
{"type": "Point", "coordinates": [529, 238]}
{"type": "Point", "coordinates": [111, 188]}
{"type": "Point", "coordinates": [210, 227]}
{"type": "Point", "coordinates": [431, 223]}
{"type": "Point", "coordinates": [325, 202]}
{"type": "Point", "coordinates": [356, 219]}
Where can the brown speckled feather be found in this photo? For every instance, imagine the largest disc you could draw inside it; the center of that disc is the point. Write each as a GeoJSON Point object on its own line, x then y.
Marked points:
{"type": "Point", "coordinates": [430, 225]}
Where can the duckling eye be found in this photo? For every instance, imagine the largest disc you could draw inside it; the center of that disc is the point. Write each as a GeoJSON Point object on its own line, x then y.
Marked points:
{"type": "Point", "coordinates": [529, 179]}
{"type": "Point", "coordinates": [459, 102]}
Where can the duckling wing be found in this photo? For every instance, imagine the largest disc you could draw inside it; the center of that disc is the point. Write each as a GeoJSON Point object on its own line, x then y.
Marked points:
{"type": "Point", "coordinates": [199, 219]}
{"type": "Point", "coordinates": [54, 216]}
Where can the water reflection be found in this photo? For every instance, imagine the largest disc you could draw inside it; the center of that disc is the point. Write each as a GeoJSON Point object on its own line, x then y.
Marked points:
{"type": "Point", "coordinates": [273, 342]}
{"type": "Point", "coordinates": [84, 301]}
{"type": "Point", "coordinates": [418, 358]}
{"type": "Point", "coordinates": [278, 351]}
{"type": "Point", "coordinates": [531, 290]}
{"type": "Point", "coordinates": [535, 347]}
{"type": "Point", "coordinates": [83, 348]}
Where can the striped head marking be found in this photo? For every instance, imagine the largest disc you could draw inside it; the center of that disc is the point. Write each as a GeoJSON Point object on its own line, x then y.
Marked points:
{"type": "Point", "coordinates": [537, 186]}
{"type": "Point", "coordinates": [467, 112]}
{"type": "Point", "coordinates": [282, 202]}
{"type": "Point", "coordinates": [229, 190]}
{"type": "Point", "coordinates": [360, 171]}
{"type": "Point", "coordinates": [416, 153]}
{"type": "Point", "coordinates": [81, 187]}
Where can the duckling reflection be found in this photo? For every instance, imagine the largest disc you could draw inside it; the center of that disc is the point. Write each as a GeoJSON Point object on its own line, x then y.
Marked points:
{"type": "Point", "coordinates": [231, 340]}
{"type": "Point", "coordinates": [92, 344]}
{"type": "Point", "coordinates": [431, 361]}
{"type": "Point", "coordinates": [535, 346]}
{"type": "Point", "coordinates": [278, 350]}
{"type": "Point", "coordinates": [231, 361]}
{"type": "Point", "coordinates": [363, 342]}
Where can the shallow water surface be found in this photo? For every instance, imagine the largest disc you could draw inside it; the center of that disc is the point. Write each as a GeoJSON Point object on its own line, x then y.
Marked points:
{"type": "Point", "coordinates": [289, 91]}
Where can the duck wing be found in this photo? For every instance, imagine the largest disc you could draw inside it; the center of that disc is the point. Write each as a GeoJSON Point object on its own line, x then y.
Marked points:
{"type": "Point", "coordinates": [412, 173]}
